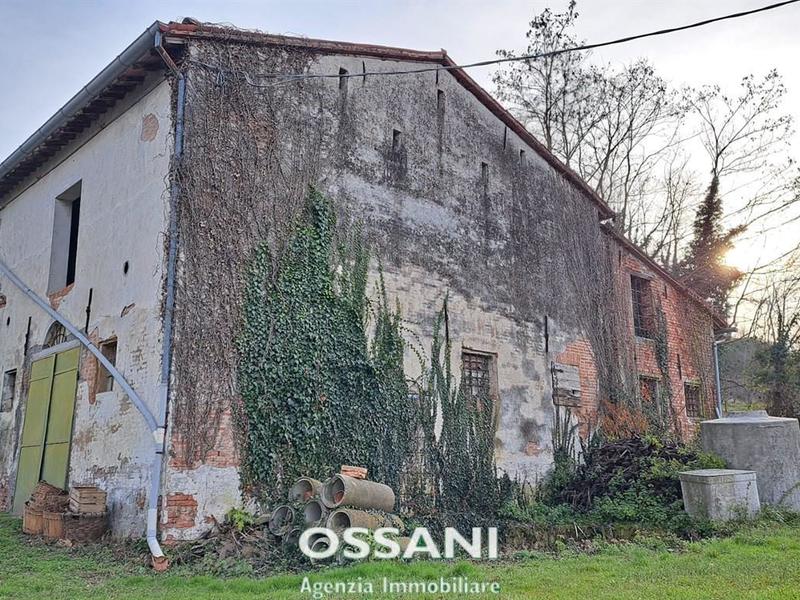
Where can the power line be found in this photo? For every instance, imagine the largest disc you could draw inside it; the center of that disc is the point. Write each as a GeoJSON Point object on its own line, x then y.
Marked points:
{"type": "Point", "coordinates": [507, 59]}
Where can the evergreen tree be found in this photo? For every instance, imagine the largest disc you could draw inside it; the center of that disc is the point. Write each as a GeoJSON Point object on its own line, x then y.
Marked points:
{"type": "Point", "coordinates": [704, 269]}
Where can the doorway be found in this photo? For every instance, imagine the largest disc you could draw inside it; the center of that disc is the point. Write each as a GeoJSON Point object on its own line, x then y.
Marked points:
{"type": "Point", "coordinates": [47, 428]}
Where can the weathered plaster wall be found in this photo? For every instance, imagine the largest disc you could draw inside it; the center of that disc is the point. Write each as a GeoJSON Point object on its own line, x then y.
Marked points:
{"type": "Point", "coordinates": [123, 163]}
{"type": "Point", "coordinates": [449, 198]}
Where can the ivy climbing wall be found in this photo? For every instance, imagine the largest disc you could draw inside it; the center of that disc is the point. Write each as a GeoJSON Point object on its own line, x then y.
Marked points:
{"type": "Point", "coordinates": [447, 203]}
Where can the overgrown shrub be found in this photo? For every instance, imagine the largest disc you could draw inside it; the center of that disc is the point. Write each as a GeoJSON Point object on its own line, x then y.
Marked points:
{"type": "Point", "coordinates": [632, 481]}
{"type": "Point", "coordinates": [644, 466]}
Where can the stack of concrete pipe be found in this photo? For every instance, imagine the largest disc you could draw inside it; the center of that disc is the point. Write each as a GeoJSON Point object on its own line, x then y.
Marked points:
{"type": "Point", "coordinates": [339, 503]}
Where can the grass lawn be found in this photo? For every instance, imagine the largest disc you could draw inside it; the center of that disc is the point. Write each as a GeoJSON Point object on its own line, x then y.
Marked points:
{"type": "Point", "coordinates": [758, 562]}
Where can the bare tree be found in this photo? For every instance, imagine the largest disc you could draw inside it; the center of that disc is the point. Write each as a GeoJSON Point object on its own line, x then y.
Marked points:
{"type": "Point", "coordinates": [641, 145]}
{"type": "Point", "coordinates": [615, 127]}
{"type": "Point", "coordinates": [552, 96]}
{"type": "Point", "coordinates": [778, 318]}
{"type": "Point", "coordinates": [745, 137]}
{"type": "Point", "coordinates": [742, 133]}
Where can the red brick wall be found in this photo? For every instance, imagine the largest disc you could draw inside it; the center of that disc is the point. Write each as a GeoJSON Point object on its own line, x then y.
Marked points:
{"type": "Point", "coordinates": [579, 354]}
{"type": "Point", "coordinates": [689, 336]}
{"type": "Point", "coordinates": [186, 504]}
{"type": "Point", "coordinates": [181, 511]}
{"type": "Point", "coordinates": [223, 454]}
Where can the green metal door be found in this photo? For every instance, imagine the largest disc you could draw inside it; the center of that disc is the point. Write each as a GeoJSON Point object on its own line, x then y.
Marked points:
{"type": "Point", "coordinates": [47, 430]}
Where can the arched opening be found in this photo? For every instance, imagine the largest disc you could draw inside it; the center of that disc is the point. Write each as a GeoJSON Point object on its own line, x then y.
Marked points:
{"type": "Point", "coordinates": [56, 334]}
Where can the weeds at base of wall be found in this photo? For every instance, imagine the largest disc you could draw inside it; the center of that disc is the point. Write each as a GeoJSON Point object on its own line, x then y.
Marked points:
{"type": "Point", "coordinates": [309, 373]}
{"type": "Point", "coordinates": [628, 484]}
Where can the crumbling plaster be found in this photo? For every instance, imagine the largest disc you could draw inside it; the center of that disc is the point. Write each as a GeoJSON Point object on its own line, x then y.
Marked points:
{"type": "Point", "coordinates": [437, 220]}
{"type": "Point", "coordinates": [123, 210]}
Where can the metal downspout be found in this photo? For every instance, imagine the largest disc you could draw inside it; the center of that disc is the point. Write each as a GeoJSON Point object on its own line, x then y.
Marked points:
{"type": "Point", "coordinates": [155, 423]}
{"type": "Point", "coordinates": [716, 377]}
{"type": "Point", "coordinates": [169, 311]}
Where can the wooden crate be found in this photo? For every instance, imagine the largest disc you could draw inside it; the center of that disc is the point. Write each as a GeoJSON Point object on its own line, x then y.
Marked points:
{"type": "Point", "coordinates": [87, 499]}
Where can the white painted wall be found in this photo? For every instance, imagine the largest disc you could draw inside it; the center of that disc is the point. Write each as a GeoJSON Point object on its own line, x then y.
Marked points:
{"type": "Point", "coordinates": [123, 216]}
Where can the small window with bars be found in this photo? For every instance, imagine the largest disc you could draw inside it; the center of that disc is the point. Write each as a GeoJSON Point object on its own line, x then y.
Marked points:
{"type": "Point", "coordinates": [694, 405]}
{"type": "Point", "coordinates": [476, 376]}
{"type": "Point", "coordinates": [642, 307]}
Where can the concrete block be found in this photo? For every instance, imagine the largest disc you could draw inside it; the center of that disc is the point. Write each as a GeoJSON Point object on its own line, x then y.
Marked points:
{"type": "Point", "coordinates": [720, 494]}
{"type": "Point", "coordinates": [770, 446]}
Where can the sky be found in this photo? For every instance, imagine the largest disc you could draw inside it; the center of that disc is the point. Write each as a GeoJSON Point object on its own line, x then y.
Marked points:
{"type": "Point", "coordinates": [49, 49]}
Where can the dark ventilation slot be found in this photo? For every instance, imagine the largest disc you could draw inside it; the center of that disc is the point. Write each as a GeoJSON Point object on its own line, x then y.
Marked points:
{"type": "Point", "coordinates": [72, 253]}
{"type": "Point", "coordinates": [546, 334]}
{"type": "Point", "coordinates": [440, 103]}
{"type": "Point", "coordinates": [343, 79]}
{"type": "Point", "coordinates": [522, 158]}
{"type": "Point", "coordinates": [27, 338]}
{"type": "Point", "coordinates": [505, 137]}
{"type": "Point", "coordinates": [397, 140]}
{"type": "Point", "coordinates": [88, 310]}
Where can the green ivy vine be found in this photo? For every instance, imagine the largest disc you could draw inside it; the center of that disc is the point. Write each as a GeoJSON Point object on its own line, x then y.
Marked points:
{"type": "Point", "coordinates": [317, 390]}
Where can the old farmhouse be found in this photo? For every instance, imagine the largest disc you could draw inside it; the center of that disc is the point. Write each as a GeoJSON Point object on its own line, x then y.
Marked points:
{"type": "Point", "coordinates": [133, 211]}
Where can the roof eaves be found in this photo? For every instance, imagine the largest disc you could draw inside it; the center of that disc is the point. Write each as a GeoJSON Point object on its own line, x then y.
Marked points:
{"type": "Point", "coordinates": [719, 320]}
{"type": "Point", "coordinates": [43, 142]}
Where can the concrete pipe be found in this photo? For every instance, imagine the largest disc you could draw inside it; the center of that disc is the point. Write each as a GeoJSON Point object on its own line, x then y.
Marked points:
{"type": "Point", "coordinates": [280, 522]}
{"type": "Point", "coordinates": [304, 489]}
{"type": "Point", "coordinates": [342, 518]}
{"type": "Point", "coordinates": [312, 539]}
{"type": "Point", "coordinates": [321, 545]}
{"type": "Point", "coordinates": [314, 513]}
{"type": "Point", "coordinates": [341, 490]}
{"type": "Point", "coordinates": [292, 536]}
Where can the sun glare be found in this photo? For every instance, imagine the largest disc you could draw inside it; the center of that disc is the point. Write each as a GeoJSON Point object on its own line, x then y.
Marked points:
{"type": "Point", "coordinates": [743, 256]}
